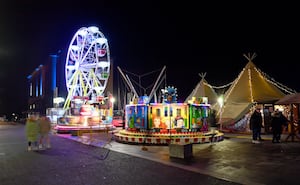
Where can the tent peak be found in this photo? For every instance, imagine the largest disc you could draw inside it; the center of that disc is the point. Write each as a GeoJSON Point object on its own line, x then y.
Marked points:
{"type": "Point", "coordinates": [202, 75]}
{"type": "Point", "coordinates": [249, 56]}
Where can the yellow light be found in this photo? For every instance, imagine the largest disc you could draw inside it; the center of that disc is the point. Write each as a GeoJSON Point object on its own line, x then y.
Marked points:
{"type": "Point", "coordinates": [221, 101]}
{"type": "Point", "coordinates": [58, 100]}
{"type": "Point", "coordinates": [112, 99]}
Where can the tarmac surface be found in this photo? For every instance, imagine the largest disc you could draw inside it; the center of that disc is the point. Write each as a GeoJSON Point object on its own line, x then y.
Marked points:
{"type": "Point", "coordinates": [69, 162]}
{"type": "Point", "coordinates": [235, 159]}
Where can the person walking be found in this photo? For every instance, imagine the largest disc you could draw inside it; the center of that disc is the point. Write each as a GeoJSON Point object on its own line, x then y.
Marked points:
{"type": "Point", "coordinates": [256, 125]}
{"type": "Point", "coordinates": [32, 131]}
{"type": "Point", "coordinates": [45, 128]}
{"type": "Point", "coordinates": [277, 123]}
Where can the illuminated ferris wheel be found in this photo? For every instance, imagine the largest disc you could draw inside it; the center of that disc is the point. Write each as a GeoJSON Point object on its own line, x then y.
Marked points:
{"type": "Point", "coordinates": [87, 64]}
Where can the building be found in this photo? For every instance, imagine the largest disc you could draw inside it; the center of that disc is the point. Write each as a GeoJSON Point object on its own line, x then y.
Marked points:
{"type": "Point", "coordinates": [47, 82]}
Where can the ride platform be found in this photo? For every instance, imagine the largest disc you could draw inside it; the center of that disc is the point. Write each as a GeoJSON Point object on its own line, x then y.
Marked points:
{"type": "Point", "coordinates": [168, 137]}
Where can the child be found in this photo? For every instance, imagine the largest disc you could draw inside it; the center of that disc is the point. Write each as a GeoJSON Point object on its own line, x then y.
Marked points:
{"type": "Point", "coordinates": [32, 131]}
{"type": "Point", "coordinates": [45, 128]}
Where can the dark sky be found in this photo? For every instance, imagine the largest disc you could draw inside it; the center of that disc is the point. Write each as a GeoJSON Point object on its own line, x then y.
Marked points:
{"type": "Point", "coordinates": [188, 37]}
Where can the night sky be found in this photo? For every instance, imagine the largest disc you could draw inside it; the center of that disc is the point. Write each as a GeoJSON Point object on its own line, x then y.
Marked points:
{"type": "Point", "coordinates": [187, 37]}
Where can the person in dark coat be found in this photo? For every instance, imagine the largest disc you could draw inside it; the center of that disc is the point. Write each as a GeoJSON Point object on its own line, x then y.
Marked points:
{"type": "Point", "coordinates": [277, 124]}
{"type": "Point", "coordinates": [256, 125]}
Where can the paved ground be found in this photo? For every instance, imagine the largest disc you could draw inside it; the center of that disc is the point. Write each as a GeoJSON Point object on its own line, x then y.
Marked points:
{"type": "Point", "coordinates": [235, 159]}
{"type": "Point", "coordinates": [69, 162]}
{"type": "Point", "coordinates": [232, 161]}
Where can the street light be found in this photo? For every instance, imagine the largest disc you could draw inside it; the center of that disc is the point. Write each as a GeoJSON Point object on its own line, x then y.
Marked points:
{"type": "Point", "coordinates": [221, 103]}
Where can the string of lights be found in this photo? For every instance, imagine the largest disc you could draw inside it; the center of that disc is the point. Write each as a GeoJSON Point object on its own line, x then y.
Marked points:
{"type": "Point", "coordinates": [277, 84]}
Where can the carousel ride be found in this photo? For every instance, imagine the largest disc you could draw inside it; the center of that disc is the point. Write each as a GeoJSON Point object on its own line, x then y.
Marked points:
{"type": "Point", "coordinates": [166, 121]}
{"type": "Point", "coordinates": [87, 70]}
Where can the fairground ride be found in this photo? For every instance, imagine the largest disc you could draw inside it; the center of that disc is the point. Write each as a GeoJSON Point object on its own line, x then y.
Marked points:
{"type": "Point", "coordinates": [160, 119]}
{"type": "Point", "coordinates": [87, 70]}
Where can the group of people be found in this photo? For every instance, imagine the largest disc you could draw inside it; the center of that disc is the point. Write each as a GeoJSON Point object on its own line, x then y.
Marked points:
{"type": "Point", "coordinates": [37, 130]}
{"type": "Point", "coordinates": [278, 122]}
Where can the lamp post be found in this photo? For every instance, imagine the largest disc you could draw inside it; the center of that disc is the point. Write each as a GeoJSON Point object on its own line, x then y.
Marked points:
{"type": "Point", "coordinates": [221, 103]}
{"type": "Point", "coordinates": [112, 101]}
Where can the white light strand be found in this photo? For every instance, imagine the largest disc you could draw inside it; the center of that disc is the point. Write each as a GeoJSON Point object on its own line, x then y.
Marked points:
{"type": "Point", "coordinates": [228, 93]}
{"type": "Point", "coordinates": [220, 87]}
{"type": "Point", "coordinates": [250, 84]}
{"type": "Point", "coordinates": [274, 82]}
{"type": "Point", "coordinates": [234, 84]}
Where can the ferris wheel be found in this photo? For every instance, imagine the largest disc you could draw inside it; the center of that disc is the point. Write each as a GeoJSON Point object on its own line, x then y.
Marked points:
{"type": "Point", "coordinates": [87, 64]}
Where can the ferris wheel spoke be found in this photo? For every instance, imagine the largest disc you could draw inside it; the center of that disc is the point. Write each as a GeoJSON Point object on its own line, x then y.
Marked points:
{"type": "Point", "coordinates": [86, 79]}
{"type": "Point", "coordinates": [70, 76]}
{"type": "Point", "coordinates": [85, 56]}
